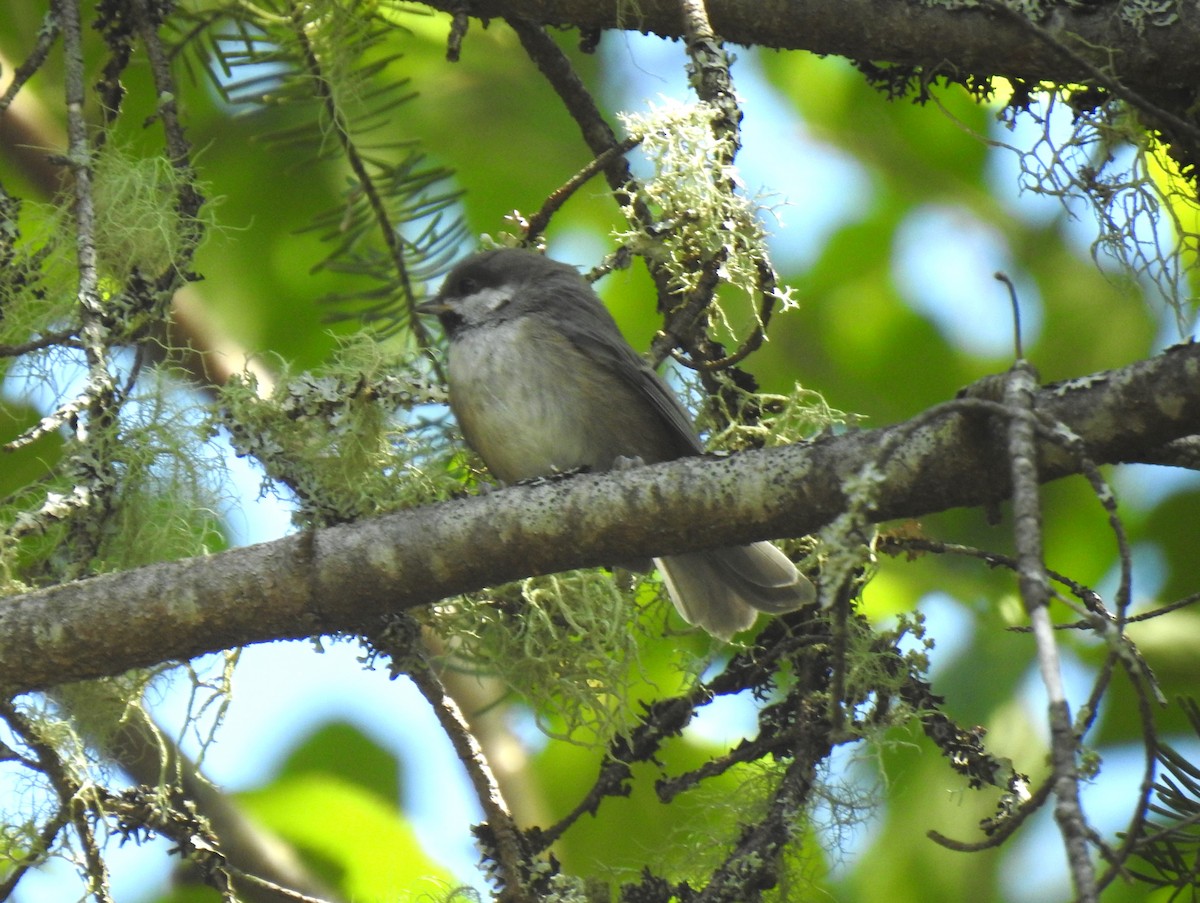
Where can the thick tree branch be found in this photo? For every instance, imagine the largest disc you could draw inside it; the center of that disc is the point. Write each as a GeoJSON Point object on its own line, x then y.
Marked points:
{"type": "Point", "coordinates": [345, 578]}
{"type": "Point", "coordinates": [1158, 56]}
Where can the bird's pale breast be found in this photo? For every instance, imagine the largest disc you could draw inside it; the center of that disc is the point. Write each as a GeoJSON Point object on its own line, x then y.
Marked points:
{"type": "Point", "coordinates": [531, 403]}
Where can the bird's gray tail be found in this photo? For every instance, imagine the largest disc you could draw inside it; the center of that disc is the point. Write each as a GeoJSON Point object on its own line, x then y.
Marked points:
{"type": "Point", "coordinates": [723, 590]}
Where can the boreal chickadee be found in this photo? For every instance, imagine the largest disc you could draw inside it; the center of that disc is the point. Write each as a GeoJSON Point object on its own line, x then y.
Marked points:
{"type": "Point", "coordinates": [542, 382]}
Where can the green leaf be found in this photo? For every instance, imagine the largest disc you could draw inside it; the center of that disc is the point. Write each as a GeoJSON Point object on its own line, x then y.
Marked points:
{"type": "Point", "coordinates": [353, 837]}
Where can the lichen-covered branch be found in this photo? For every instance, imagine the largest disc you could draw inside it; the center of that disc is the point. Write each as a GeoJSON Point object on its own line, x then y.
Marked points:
{"type": "Point", "coordinates": [1158, 53]}
{"type": "Point", "coordinates": [346, 578]}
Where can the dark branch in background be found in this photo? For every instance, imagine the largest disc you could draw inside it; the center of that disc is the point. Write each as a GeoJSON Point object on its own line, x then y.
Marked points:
{"type": "Point", "coordinates": [345, 578]}
{"type": "Point", "coordinates": [597, 133]}
{"type": "Point", "coordinates": [401, 641]}
{"type": "Point", "coordinates": [913, 34]}
{"type": "Point", "coordinates": [154, 761]}
{"type": "Point", "coordinates": [65, 337]}
{"type": "Point", "coordinates": [558, 71]}
{"type": "Point", "coordinates": [46, 37]}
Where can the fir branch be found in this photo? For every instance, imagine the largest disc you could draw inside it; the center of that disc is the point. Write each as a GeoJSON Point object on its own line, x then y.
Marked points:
{"type": "Point", "coordinates": [1171, 846]}
{"type": "Point", "coordinates": [297, 56]}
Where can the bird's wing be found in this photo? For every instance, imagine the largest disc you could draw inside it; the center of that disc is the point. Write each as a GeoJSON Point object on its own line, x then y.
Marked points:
{"type": "Point", "coordinates": [597, 337]}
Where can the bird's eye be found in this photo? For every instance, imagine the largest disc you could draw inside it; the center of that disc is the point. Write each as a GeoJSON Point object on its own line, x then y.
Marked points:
{"type": "Point", "coordinates": [467, 285]}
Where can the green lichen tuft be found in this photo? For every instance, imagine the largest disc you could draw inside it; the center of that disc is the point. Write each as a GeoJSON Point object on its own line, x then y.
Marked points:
{"type": "Point", "coordinates": [332, 436]}
{"type": "Point", "coordinates": [698, 212]}
{"type": "Point", "coordinates": [138, 225]}
{"type": "Point", "coordinates": [565, 643]}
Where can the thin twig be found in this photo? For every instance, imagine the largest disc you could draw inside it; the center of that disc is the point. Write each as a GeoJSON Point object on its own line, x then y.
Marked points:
{"type": "Point", "coordinates": [509, 847]}
{"type": "Point", "coordinates": [1015, 303]}
{"type": "Point", "coordinates": [1035, 591]}
{"type": "Point", "coordinates": [459, 24]}
{"type": "Point", "coordinates": [710, 73]}
{"type": "Point", "coordinates": [73, 806]}
{"type": "Point", "coordinates": [93, 468]}
{"type": "Point", "coordinates": [46, 36]}
{"type": "Point", "coordinates": [62, 337]}
{"type": "Point", "coordinates": [597, 133]}
{"type": "Point", "coordinates": [538, 222]}
{"type": "Point", "coordinates": [179, 149]}
{"type": "Point", "coordinates": [767, 281]}
{"type": "Point", "coordinates": [891, 544]}
{"type": "Point", "coordinates": [277, 889]}
{"type": "Point", "coordinates": [79, 159]}
{"type": "Point", "coordinates": [1132, 835]}
{"type": "Point", "coordinates": [1164, 609]}
{"type": "Point", "coordinates": [1003, 830]}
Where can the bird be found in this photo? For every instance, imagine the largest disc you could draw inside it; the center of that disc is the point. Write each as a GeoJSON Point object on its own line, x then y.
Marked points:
{"type": "Point", "coordinates": [541, 382]}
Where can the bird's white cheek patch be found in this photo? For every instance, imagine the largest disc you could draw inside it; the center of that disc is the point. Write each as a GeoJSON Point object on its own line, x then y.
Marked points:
{"type": "Point", "coordinates": [476, 306]}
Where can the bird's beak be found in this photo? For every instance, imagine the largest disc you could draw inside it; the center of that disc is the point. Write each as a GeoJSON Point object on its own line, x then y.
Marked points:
{"type": "Point", "coordinates": [435, 306]}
